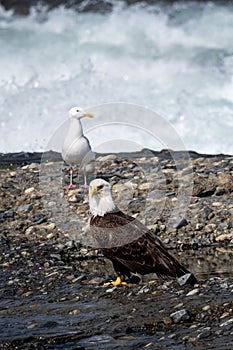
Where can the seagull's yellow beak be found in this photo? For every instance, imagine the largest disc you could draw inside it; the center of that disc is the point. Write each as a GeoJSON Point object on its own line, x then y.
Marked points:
{"type": "Point", "coordinates": [93, 190]}
{"type": "Point", "coordinates": [89, 115]}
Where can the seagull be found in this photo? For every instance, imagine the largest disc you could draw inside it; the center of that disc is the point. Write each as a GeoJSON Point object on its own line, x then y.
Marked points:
{"type": "Point", "coordinates": [76, 148]}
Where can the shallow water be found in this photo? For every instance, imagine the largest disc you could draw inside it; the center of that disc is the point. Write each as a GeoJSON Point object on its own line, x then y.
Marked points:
{"type": "Point", "coordinates": [174, 59]}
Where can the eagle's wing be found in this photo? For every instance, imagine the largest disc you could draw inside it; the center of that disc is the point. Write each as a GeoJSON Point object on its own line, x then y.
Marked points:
{"type": "Point", "coordinates": [142, 252]}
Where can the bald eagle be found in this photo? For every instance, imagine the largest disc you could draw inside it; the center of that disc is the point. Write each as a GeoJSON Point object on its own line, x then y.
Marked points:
{"type": "Point", "coordinates": [124, 240]}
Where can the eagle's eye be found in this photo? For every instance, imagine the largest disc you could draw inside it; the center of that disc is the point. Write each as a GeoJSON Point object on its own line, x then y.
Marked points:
{"type": "Point", "coordinates": [100, 187]}
{"type": "Point", "coordinates": [77, 110]}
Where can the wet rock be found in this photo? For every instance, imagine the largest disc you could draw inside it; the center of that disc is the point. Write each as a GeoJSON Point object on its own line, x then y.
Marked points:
{"type": "Point", "coordinates": [83, 277]}
{"type": "Point", "coordinates": [8, 214]}
{"type": "Point", "coordinates": [110, 290]}
{"type": "Point", "coordinates": [32, 325]}
{"type": "Point", "coordinates": [55, 256]}
{"type": "Point", "coordinates": [94, 281]}
{"type": "Point", "coordinates": [226, 323]}
{"type": "Point", "coordinates": [205, 334]}
{"type": "Point", "coordinates": [75, 312]}
{"type": "Point", "coordinates": [144, 289]}
{"type": "Point", "coordinates": [180, 223]}
{"type": "Point", "coordinates": [180, 316]}
{"type": "Point", "coordinates": [220, 191]}
{"type": "Point", "coordinates": [50, 324]}
{"type": "Point", "coordinates": [39, 218]}
{"type": "Point", "coordinates": [96, 339]}
{"type": "Point", "coordinates": [185, 279]}
{"type": "Point", "coordinates": [25, 208]}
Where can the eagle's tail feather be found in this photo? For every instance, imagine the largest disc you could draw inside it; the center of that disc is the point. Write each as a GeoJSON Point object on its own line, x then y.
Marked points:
{"type": "Point", "coordinates": [171, 266]}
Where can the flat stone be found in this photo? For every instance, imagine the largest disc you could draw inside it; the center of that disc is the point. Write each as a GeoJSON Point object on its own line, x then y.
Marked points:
{"type": "Point", "coordinates": [96, 339]}
{"type": "Point", "coordinates": [204, 334]}
{"type": "Point", "coordinates": [223, 237]}
{"type": "Point", "coordinates": [210, 227]}
{"type": "Point", "coordinates": [30, 230]}
{"type": "Point", "coordinates": [73, 199]}
{"type": "Point", "coordinates": [75, 312]}
{"type": "Point", "coordinates": [33, 166]}
{"type": "Point", "coordinates": [29, 190]}
{"type": "Point", "coordinates": [206, 308]}
{"type": "Point", "coordinates": [217, 204]}
{"type": "Point", "coordinates": [144, 289]}
{"type": "Point", "coordinates": [226, 323]}
{"type": "Point", "coordinates": [107, 158]}
{"type": "Point", "coordinates": [193, 292]}
{"type": "Point", "coordinates": [25, 208]}
{"type": "Point", "coordinates": [199, 226]}
{"type": "Point", "coordinates": [8, 214]}
{"type": "Point", "coordinates": [180, 223]}
{"type": "Point", "coordinates": [153, 228]}
{"type": "Point", "coordinates": [50, 235]}
{"type": "Point", "coordinates": [180, 316]}
{"type": "Point", "coordinates": [184, 279]}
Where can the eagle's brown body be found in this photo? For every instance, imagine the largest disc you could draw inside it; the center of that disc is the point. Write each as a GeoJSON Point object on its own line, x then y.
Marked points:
{"type": "Point", "coordinates": [144, 253]}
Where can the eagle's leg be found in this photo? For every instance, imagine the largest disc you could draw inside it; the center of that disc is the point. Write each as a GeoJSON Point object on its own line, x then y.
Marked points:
{"type": "Point", "coordinates": [121, 272]}
{"type": "Point", "coordinates": [118, 282]}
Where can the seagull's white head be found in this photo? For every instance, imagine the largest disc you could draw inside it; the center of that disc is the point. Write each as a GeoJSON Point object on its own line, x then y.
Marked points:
{"type": "Point", "coordinates": [100, 197]}
{"type": "Point", "coordinates": [78, 113]}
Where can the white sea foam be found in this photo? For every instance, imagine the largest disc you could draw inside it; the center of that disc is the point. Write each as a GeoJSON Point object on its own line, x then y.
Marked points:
{"type": "Point", "coordinates": [176, 60]}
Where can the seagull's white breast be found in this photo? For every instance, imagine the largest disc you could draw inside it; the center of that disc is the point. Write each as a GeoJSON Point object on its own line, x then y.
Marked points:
{"type": "Point", "coordinates": [77, 151]}
{"type": "Point", "coordinates": [76, 148]}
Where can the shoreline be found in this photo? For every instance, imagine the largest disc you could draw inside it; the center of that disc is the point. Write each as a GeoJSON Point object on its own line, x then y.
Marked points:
{"type": "Point", "coordinates": [27, 157]}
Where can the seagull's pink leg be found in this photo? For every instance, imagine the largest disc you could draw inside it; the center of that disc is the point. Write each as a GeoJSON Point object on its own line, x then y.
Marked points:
{"type": "Point", "coordinates": [71, 185]}
{"type": "Point", "coordinates": [85, 178]}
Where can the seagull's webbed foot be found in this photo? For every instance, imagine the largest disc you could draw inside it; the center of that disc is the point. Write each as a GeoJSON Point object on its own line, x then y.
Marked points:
{"type": "Point", "coordinates": [118, 282]}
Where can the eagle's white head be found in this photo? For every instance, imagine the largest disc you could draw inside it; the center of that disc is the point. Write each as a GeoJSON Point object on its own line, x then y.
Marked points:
{"type": "Point", "coordinates": [100, 197]}
{"type": "Point", "coordinates": [78, 113]}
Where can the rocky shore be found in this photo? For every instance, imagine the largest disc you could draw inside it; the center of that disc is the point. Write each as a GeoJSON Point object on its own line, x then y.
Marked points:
{"type": "Point", "coordinates": [51, 278]}
{"type": "Point", "coordinates": [102, 6]}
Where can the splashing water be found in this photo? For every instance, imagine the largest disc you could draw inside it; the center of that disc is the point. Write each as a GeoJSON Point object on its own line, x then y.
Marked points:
{"type": "Point", "coordinates": [176, 60]}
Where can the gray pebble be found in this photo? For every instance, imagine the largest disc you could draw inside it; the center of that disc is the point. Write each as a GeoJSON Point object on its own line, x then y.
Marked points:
{"type": "Point", "coordinates": [25, 208]}
{"type": "Point", "coordinates": [180, 316]}
{"type": "Point", "coordinates": [204, 334]}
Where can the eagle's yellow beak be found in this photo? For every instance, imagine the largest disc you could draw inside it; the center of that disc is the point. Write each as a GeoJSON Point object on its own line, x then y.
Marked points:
{"type": "Point", "coordinates": [93, 191]}
{"type": "Point", "coordinates": [89, 115]}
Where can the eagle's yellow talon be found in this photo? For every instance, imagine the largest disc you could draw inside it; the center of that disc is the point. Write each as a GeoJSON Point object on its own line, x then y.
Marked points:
{"type": "Point", "coordinates": [117, 282]}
